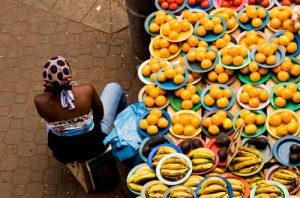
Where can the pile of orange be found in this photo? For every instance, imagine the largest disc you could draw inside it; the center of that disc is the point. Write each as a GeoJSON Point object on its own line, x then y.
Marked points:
{"type": "Point", "coordinates": [251, 121]}
{"type": "Point", "coordinates": [221, 42]}
{"type": "Point", "coordinates": [166, 48]}
{"type": "Point", "coordinates": [253, 14]}
{"type": "Point", "coordinates": [228, 15]}
{"type": "Point", "coordinates": [289, 92]}
{"type": "Point", "coordinates": [252, 39]}
{"type": "Point", "coordinates": [286, 69]}
{"type": "Point", "coordinates": [286, 42]}
{"type": "Point", "coordinates": [253, 96]}
{"type": "Point", "coordinates": [217, 96]}
{"type": "Point", "coordinates": [209, 25]}
{"type": "Point", "coordinates": [255, 71]}
{"type": "Point", "coordinates": [155, 96]}
{"type": "Point", "coordinates": [175, 74]}
{"type": "Point", "coordinates": [185, 124]}
{"type": "Point", "coordinates": [217, 120]}
{"type": "Point", "coordinates": [153, 122]}
{"type": "Point", "coordinates": [220, 74]}
{"type": "Point", "coordinates": [284, 123]}
{"type": "Point", "coordinates": [160, 18]}
{"type": "Point", "coordinates": [281, 19]}
{"type": "Point", "coordinates": [233, 55]}
{"type": "Point", "coordinates": [173, 28]}
{"type": "Point", "coordinates": [193, 17]}
{"type": "Point", "coordinates": [265, 53]}
{"type": "Point", "coordinates": [152, 67]}
{"type": "Point", "coordinates": [189, 96]}
{"type": "Point", "coordinates": [203, 56]}
{"type": "Point", "coordinates": [192, 75]}
{"type": "Point", "coordinates": [192, 42]}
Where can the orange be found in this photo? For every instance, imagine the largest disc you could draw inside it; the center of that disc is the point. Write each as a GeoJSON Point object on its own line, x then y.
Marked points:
{"type": "Point", "coordinates": [292, 127]}
{"type": "Point", "coordinates": [166, 29]}
{"type": "Point", "coordinates": [257, 22]}
{"type": "Point", "coordinates": [274, 13]}
{"type": "Point", "coordinates": [187, 104]}
{"type": "Point", "coordinates": [154, 92]}
{"type": "Point", "coordinates": [247, 88]}
{"type": "Point", "coordinates": [261, 13]}
{"type": "Point", "coordinates": [219, 69]}
{"type": "Point", "coordinates": [185, 47]}
{"type": "Point", "coordinates": [162, 123]}
{"type": "Point", "coordinates": [244, 70]}
{"type": "Point", "coordinates": [218, 28]}
{"type": "Point", "coordinates": [173, 35]}
{"type": "Point", "coordinates": [179, 70]}
{"type": "Point", "coordinates": [195, 122]}
{"type": "Point", "coordinates": [202, 44]}
{"type": "Point", "coordinates": [250, 129]}
{"type": "Point", "coordinates": [154, 67]}
{"type": "Point", "coordinates": [154, 27]}
{"type": "Point", "coordinates": [170, 73]}
{"type": "Point", "coordinates": [263, 95]}
{"type": "Point", "coordinates": [149, 101]}
{"type": "Point", "coordinates": [149, 87]}
{"type": "Point", "coordinates": [193, 41]}
{"type": "Point", "coordinates": [234, 51]}
{"type": "Point", "coordinates": [227, 60]}
{"type": "Point", "coordinates": [290, 35]}
{"type": "Point", "coordinates": [243, 52]}
{"type": "Point", "coordinates": [208, 100]}
{"type": "Point", "coordinates": [186, 95]}
{"type": "Point", "coordinates": [201, 31]}
{"type": "Point", "coordinates": [276, 69]}
{"type": "Point", "coordinates": [185, 25]}
{"type": "Point", "coordinates": [280, 102]}
{"type": "Point", "coordinates": [284, 40]}
{"type": "Point", "coordinates": [161, 91]}
{"type": "Point", "coordinates": [152, 129]}
{"type": "Point", "coordinates": [163, 43]}
{"type": "Point", "coordinates": [227, 124]}
{"type": "Point", "coordinates": [185, 119]}
{"type": "Point", "coordinates": [286, 117]}
{"type": "Point", "coordinates": [292, 87]}
{"type": "Point", "coordinates": [244, 18]}
{"type": "Point", "coordinates": [173, 48]}
{"type": "Point", "coordinates": [281, 130]}
{"type": "Point", "coordinates": [296, 97]}
{"type": "Point", "coordinates": [238, 60]}
{"type": "Point", "coordinates": [146, 70]}
{"type": "Point", "coordinates": [179, 91]}
{"type": "Point", "coordinates": [189, 130]}
{"type": "Point", "coordinates": [175, 119]}
{"type": "Point", "coordinates": [239, 122]}
{"type": "Point", "coordinates": [275, 120]}
{"type": "Point", "coordinates": [191, 88]}
{"type": "Point", "coordinates": [244, 97]}
{"type": "Point", "coordinates": [252, 13]}
{"type": "Point", "coordinates": [159, 19]}
{"type": "Point", "coordinates": [255, 77]}
{"type": "Point", "coordinates": [227, 93]}
{"type": "Point", "coordinates": [295, 71]}
{"type": "Point", "coordinates": [286, 65]}
{"type": "Point", "coordinates": [217, 119]}
{"type": "Point", "coordinates": [156, 111]}
{"type": "Point", "coordinates": [275, 23]}
{"type": "Point", "coordinates": [144, 124]}
{"type": "Point", "coordinates": [164, 53]}
{"type": "Point", "coordinates": [254, 102]}
{"type": "Point", "coordinates": [253, 67]}
{"type": "Point", "coordinates": [271, 60]}
{"type": "Point", "coordinates": [284, 15]}
{"type": "Point", "coordinates": [222, 102]}
{"type": "Point", "coordinates": [216, 20]}
{"type": "Point", "coordinates": [195, 98]}
{"type": "Point", "coordinates": [260, 119]}
{"type": "Point", "coordinates": [207, 122]}
{"type": "Point", "coordinates": [227, 37]}
{"type": "Point", "coordinates": [177, 128]}
{"type": "Point", "coordinates": [152, 119]}
{"type": "Point", "coordinates": [216, 93]}
{"type": "Point", "coordinates": [200, 56]}
{"type": "Point", "coordinates": [278, 90]}
{"type": "Point", "coordinates": [263, 71]}
{"type": "Point", "coordinates": [160, 100]}
{"type": "Point", "coordinates": [209, 25]}
{"type": "Point", "coordinates": [286, 93]}
{"type": "Point", "coordinates": [292, 47]}
{"type": "Point", "coordinates": [253, 92]}
{"type": "Point", "coordinates": [161, 77]}
{"type": "Point", "coordinates": [260, 57]}
{"type": "Point", "coordinates": [190, 79]}
{"type": "Point", "coordinates": [213, 129]}
{"type": "Point", "coordinates": [178, 79]}
{"type": "Point", "coordinates": [212, 76]}
{"type": "Point", "coordinates": [225, 50]}
{"type": "Point", "coordinates": [231, 23]}
{"type": "Point", "coordinates": [191, 55]}
{"type": "Point", "coordinates": [250, 118]}
{"type": "Point", "coordinates": [222, 114]}
{"type": "Point", "coordinates": [206, 64]}
{"type": "Point", "coordinates": [229, 72]}
{"type": "Point", "coordinates": [210, 55]}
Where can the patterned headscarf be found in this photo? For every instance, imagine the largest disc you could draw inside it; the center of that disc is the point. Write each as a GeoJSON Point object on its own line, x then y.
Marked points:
{"type": "Point", "coordinates": [57, 72]}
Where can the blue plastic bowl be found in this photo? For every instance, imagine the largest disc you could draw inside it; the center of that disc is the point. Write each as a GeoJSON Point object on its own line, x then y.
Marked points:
{"type": "Point", "coordinates": [248, 25]}
{"type": "Point", "coordinates": [279, 54]}
{"type": "Point", "coordinates": [169, 84]}
{"type": "Point", "coordinates": [197, 6]}
{"type": "Point", "coordinates": [169, 11]}
{"type": "Point", "coordinates": [229, 187]}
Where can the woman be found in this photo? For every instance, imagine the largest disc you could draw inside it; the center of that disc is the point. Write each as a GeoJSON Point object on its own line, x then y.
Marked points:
{"type": "Point", "coordinates": [77, 119]}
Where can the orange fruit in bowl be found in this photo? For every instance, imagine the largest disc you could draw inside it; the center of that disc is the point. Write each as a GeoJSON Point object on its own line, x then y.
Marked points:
{"type": "Point", "coordinates": [260, 119]}
{"type": "Point", "coordinates": [275, 120]}
{"type": "Point", "coordinates": [178, 79]}
{"type": "Point", "coordinates": [216, 93]}
{"type": "Point", "coordinates": [193, 41]}
{"type": "Point", "coordinates": [154, 27]}
{"type": "Point", "coordinates": [239, 122]}
{"type": "Point", "coordinates": [207, 122]}
{"type": "Point", "coordinates": [200, 56]}
{"type": "Point", "coordinates": [254, 102]}
{"type": "Point", "coordinates": [162, 123]}
{"type": "Point", "coordinates": [253, 92]}
{"type": "Point", "coordinates": [218, 29]}
{"type": "Point", "coordinates": [244, 113]}
{"type": "Point", "coordinates": [295, 71]}
{"type": "Point", "coordinates": [185, 47]}
{"type": "Point", "coordinates": [154, 92]}
{"type": "Point", "coordinates": [189, 130]}
{"type": "Point", "coordinates": [206, 64]}
{"type": "Point", "coordinates": [227, 93]}
{"type": "Point", "coordinates": [190, 78]}
{"type": "Point", "coordinates": [213, 129]}
{"type": "Point", "coordinates": [177, 129]}
{"type": "Point", "coordinates": [179, 70]}
{"type": "Point", "coordinates": [222, 78]}
{"type": "Point", "coordinates": [160, 100]}
{"type": "Point", "coordinates": [173, 35]}
{"type": "Point", "coordinates": [250, 129]}
{"type": "Point", "coordinates": [286, 117]}
{"type": "Point", "coordinates": [152, 129]}
{"type": "Point", "coordinates": [187, 104]}
{"type": "Point", "coordinates": [144, 124]}
{"type": "Point", "coordinates": [149, 87]}
{"type": "Point", "coordinates": [152, 119]}
{"type": "Point", "coordinates": [296, 97]}
{"type": "Point", "coordinates": [280, 101]}
{"type": "Point", "coordinates": [253, 67]}
{"type": "Point", "coordinates": [175, 119]}
{"type": "Point", "coordinates": [219, 69]}
{"type": "Point", "coordinates": [161, 77]}
{"type": "Point", "coordinates": [278, 90]}
{"type": "Point", "coordinates": [257, 22]}
{"type": "Point", "coordinates": [191, 55]}
{"type": "Point", "coordinates": [195, 98]}
{"type": "Point", "coordinates": [185, 25]}
{"type": "Point", "coordinates": [263, 71]}
{"type": "Point", "coordinates": [222, 102]}
{"type": "Point", "coordinates": [275, 23]}
{"type": "Point", "coordinates": [166, 29]}
{"type": "Point", "coordinates": [217, 119]}
{"type": "Point", "coordinates": [238, 60]}
{"type": "Point", "coordinates": [210, 55]}
{"type": "Point", "coordinates": [191, 88]}
{"type": "Point", "coordinates": [271, 60]}
{"type": "Point", "coordinates": [222, 114]}
{"type": "Point", "coordinates": [156, 44]}
{"type": "Point", "coordinates": [286, 93]}
{"type": "Point", "coordinates": [164, 53]}
{"type": "Point", "coordinates": [173, 48]}
{"type": "Point", "coordinates": [255, 77]}
{"type": "Point", "coordinates": [250, 118]}
{"type": "Point", "coordinates": [244, 97]}
{"type": "Point", "coordinates": [186, 95]}
{"type": "Point", "coordinates": [208, 100]}
{"type": "Point", "coordinates": [195, 122]}
{"type": "Point", "coordinates": [209, 25]}
{"type": "Point", "coordinates": [263, 95]}
{"type": "Point", "coordinates": [281, 130]}
{"type": "Point", "coordinates": [152, 77]}
{"type": "Point", "coordinates": [185, 119]}
{"type": "Point", "coordinates": [149, 101]}
{"type": "Point", "coordinates": [179, 91]}
{"type": "Point", "coordinates": [157, 112]}
{"type": "Point", "coordinates": [201, 31]}
{"type": "Point", "coordinates": [163, 43]}
{"type": "Point", "coordinates": [244, 18]}
{"type": "Point", "coordinates": [227, 124]}
{"type": "Point", "coordinates": [260, 57]}
{"type": "Point", "coordinates": [292, 47]}
{"type": "Point", "coordinates": [146, 70]}
{"type": "Point", "coordinates": [292, 127]}
{"type": "Point", "coordinates": [227, 59]}
{"type": "Point", "coordinates": [170, 73]}
{"type": "Point", "coordinates": [247, 88]}
{"type": "Point", "coordinates": [161, 91]}
{"type": "Point", "coordinates": [292, 87]}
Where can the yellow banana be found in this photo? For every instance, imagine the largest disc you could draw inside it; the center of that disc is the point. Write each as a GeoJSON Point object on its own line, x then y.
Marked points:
{"type": "Point", "coordinates": [173, 178]}
{"type": "Point", "coordinates": [212, 174]}
{"type": "Point", "coordinates": [181, 194]}
{"type": "Point", "coordinates": [158, 189]}
{"type": "Point", "coordinates": [202, 167]}
{"type": "Point", "coordinates": [144, 177]}
{"type": "Point", "coordinates": [212, 189]}
{"type": "Point", "coordinates": [238, 188]}
{"type": "Point", "coordinates": [240, 159]}
{"type": "Point", "coordinates": [214, 195]}
{"type": "Point", "coordinates": [154, 164]}
{"type": "Point", "coordinates": [237, 196]}
{"type": "Point", "coordinates": [245, 154]}
{"type": "Point", "coordinates": [285, 175]}
{"type": "Point", "coordinates": [156, 158]}
{"type": "Point", "coordinates": [201, 161]}
{"type": "Point", "coordinates": [135, 187]}
{"type": "Point", "coordinates": [218, 170]}
{"type": "Point", "coordinates": [251, 150]}
{"type": "Point", "coordinates": [155, 195]}
{"type": "Point", "coordinates": [142, 169]}
{"type": "Point", "coordinates": [195, 177]}
{"type": "Point", "coordinates": [236, 193]}
{"type": "Point", "coordinates": [173, 173]}
{"type": "Point", "coordinates": [235, 181]}
{"type": "Point", "coordinates": [213, 180]}
{"type": "Point", "coordinates": [175, 160]}
{"type": "Point", "coordinates": [248, 169]}
{"type": "Point", "coordinates": [270, 189]}
{"type": "Point", "coordinates": [283, 181]}
{"type": "Point", "coordinates": [173, 166]}
{"type": "Point", "coordinates": [165, 150]}
{"type": "Point", "coordinates": [247, 163]}
{"type": "Point", "coordinates": [181, 189]}
{"type": "Point", "coordinates": [253, 179]}
{"type": "Point", "coordinates": [206, 152]}
{"type": "Point", "coordinates": [267, 195]}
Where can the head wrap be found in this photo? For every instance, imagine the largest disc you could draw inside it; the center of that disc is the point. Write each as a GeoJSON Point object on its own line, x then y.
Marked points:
{"type": "Point", "coordinates": [57, 73]}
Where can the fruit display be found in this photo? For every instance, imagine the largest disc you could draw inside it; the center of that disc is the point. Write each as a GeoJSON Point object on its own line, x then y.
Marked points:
{"type": "Point", "coordinates": [186, 98]}
{"type": "Point", "coordinates": [141, 175]}
{"type": "Point", "coordinates": [283, 122]}
{"type": "Point", "coordinates": [181, 191]}
{"type": "Point", "coordinates": [254, 74]}
{"type": "Point", "coordinates": [255, 179]}
{"type": "Point", "coordinates": [185, 124]}
{"type": "Point", "coordinates": [155, 20]}
{"type": "Point", "coordinates": [174, 75]}
{"type": "Point", "coordinates": [269, 189]}
{"type": "Point", "coordinates": [286, 41]}
{"type": "Point", "coordinates": [285, 95]}
{"type": "Point", "coordinates": [193, 16]}
{"type": "Point", "coordinates": [267, 55]}
{"type": "Point", "coordinates": [288, 71]}
{"type": "Point", "coordinates": [202, 4]}
{"type": "Point", "coordinates": [286, 177]}
{"type": "Point", "coordinates": [203, 160]}
{"type": "Point", "coordinates": [161, 48]}
{"type": "Point", "coordinates": [220, 75]}
{"type": "Point", "coordinates": [263, 3]}
{"type": "Point", "coordinates": [229, 15]}
{"type": "Point", "coordinates": [161, 152]}
{"type": "Point", "coordinates": [193, 181]}
{"type": "Point", "coordinates": [213, 187]}
{"type": "Point", "coordinates": [222, 42]}
{"type": "Point", "coordinates": [250, 39]}
{"type": "Point", "coordinates": [190, 143]}
{"type": "Point", "coordinates": [170, 5]}
{"type": "Point", "coordinates": [154, 122]}
{"type": "Point", "coordinates": [149, 144]}
{"type": "Point", "coordinates": [210, 28]}
{"type": "Point", "coordinates": [217, 96]}
{"type": "Point", "coordinates": [155, 189]}
{"type": "Point", "coordinates": [201, 59]}
{"type": "Point", "coordinates": [234, 57]}
{"type": "Point", "coordinates": [237, 186]}
{"type": "Point", "coordinates": [248, 161]}
{"type": "Point", "coordinates": [175, 30]}
{"type": "Point", "coordinates": [154, 96]}
{"type": "Point", "coordinates": [217, 122]}
{"type": "Point", "coordinates": [281, 19]}
{"type": "Point", "coordinates": [253, 97]}
{"type": "Point", "coordinates": [253, 17]}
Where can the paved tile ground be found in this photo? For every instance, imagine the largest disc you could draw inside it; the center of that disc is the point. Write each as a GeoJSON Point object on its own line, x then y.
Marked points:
{"type": "Point", "coordinates": [28, 36]}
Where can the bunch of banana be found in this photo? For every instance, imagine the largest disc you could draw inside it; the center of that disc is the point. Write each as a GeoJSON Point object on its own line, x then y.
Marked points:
{"type": "Point", "coordinates": [238, 187]}
{"type": "Point", "coordinates": [215, 172]}
{"type": "Point", "coordinates": [181, 192]}
{"type": "Point", "coordinates": [140, 177]}
{"type": "Point", "coordinates": [156, 189]}
{"type": "Point", "coordinates": [174, 168]}
{"type": "Point", "coordinates": [253, 179]}
{"type": "Point", "coordinates": [161, 152]}
{"type": "Point", "coordinates": [287, 178]}
{"type": "Point", "coordinates": [213, 187]}
{"type": "Point", "coordinates": [203, 159]}
{"type": "Point", "coordinates": [247, 160]}
{"type": "Point", "coordinates": [193, 181]}
{"type": "Point", "coordinates": [266, 189]}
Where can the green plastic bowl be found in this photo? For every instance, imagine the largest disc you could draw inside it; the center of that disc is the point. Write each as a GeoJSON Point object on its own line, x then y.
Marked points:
{"type": "Point", "coordinates": [292, 79]}
{"type": "Point", "coordinates": [245, 78]}
{"type": "Point", "coordinates": [176, 101]}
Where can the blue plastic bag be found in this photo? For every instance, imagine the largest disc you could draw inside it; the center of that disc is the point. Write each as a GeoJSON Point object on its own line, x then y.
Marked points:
{"type": "Point", "coordinates": [124, 137]}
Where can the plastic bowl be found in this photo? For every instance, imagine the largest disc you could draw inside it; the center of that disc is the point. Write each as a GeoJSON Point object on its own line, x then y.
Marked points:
{"type": "Point", "coordinates": [292, 79]}
{"type": "Point", "coordinates": [212, 168]}
{"type": "Point", "coordinates": [217, 5]}
{"type": "Point", "coordinates": [244, 181]}
{"type": "Point", "coordinates": [279, 185]}
{"type": "Point", "coordinates": [197, 6]}
{"type": "Point", "coordinates": [280, 54]}
{"type": "Point", "coordinates": [150, 19]}
{"type": "Point", "coordinates": [280, 9]}
{"type": "Point", "coordinates": [248, 25]}
{"type": "Point", "coordinates": [181, 7]}
{"type": "Point", "coordinates": [142, 95]}
{"type": "Point", "coordinates": [216, 11]}
{"type": "Point", "coordinates": [131, 172]}
{"type": "Point", "coordinates": [245, 78]}
{"type": "Point", "coordinates": [176, 101]}
{"type": "Point", "coordinates": [233, 67]}
{"type": "Point", "coordinates": [210, 36]}
{"type": "Point", "coordinates": [229, 187]}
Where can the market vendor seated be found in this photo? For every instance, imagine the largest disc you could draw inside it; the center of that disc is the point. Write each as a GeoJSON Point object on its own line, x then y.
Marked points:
{"type": "Point", "coordinates": [77, 119]}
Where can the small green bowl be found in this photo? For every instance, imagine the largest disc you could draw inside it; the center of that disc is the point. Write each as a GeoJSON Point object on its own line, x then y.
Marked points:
{"type": "Point", "coordinates": [246, 60]}
{"type": "Point", "coordinates": [289, 103]}
{"type": "Point", "coordinates": [245, 78]}
{"type": "Point", "coordinates": [292, 79]}
{"type": "Point", "coordinates": [176, 101]}
{"type": "Point", "coordinates": [260, 129]}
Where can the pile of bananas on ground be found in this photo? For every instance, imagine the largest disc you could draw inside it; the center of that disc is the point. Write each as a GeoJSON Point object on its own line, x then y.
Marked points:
{"type": "Point", "coordinates": [161, 152]}
{"type": "Point", "coordinates": [203, 159]}
{"type": "Point", "coordinates": [174, 168]}
{"type": "Point", "coordinates": [181, 192]}
{"type": "Point", "coordinates": [246, 161]}
{"type": "Point", "coordinates": [238, 187]}
{"type": "Point", "coordinates": [193, 181]}
{"type": "Point", "coordinates": [213, 187]}
{"type": "Point", "coordinates": [156, 189]}
{"type": "Point", "coordinates": [254, 179]}
{"type": "Point", "coordinates": [140, 177]}
{"type": "Point", "coordinates": [215, 172]}
{"type": "Point", "coordinates": [266, 189]}
{"type": "Point", "coordinates": [286, 177]}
